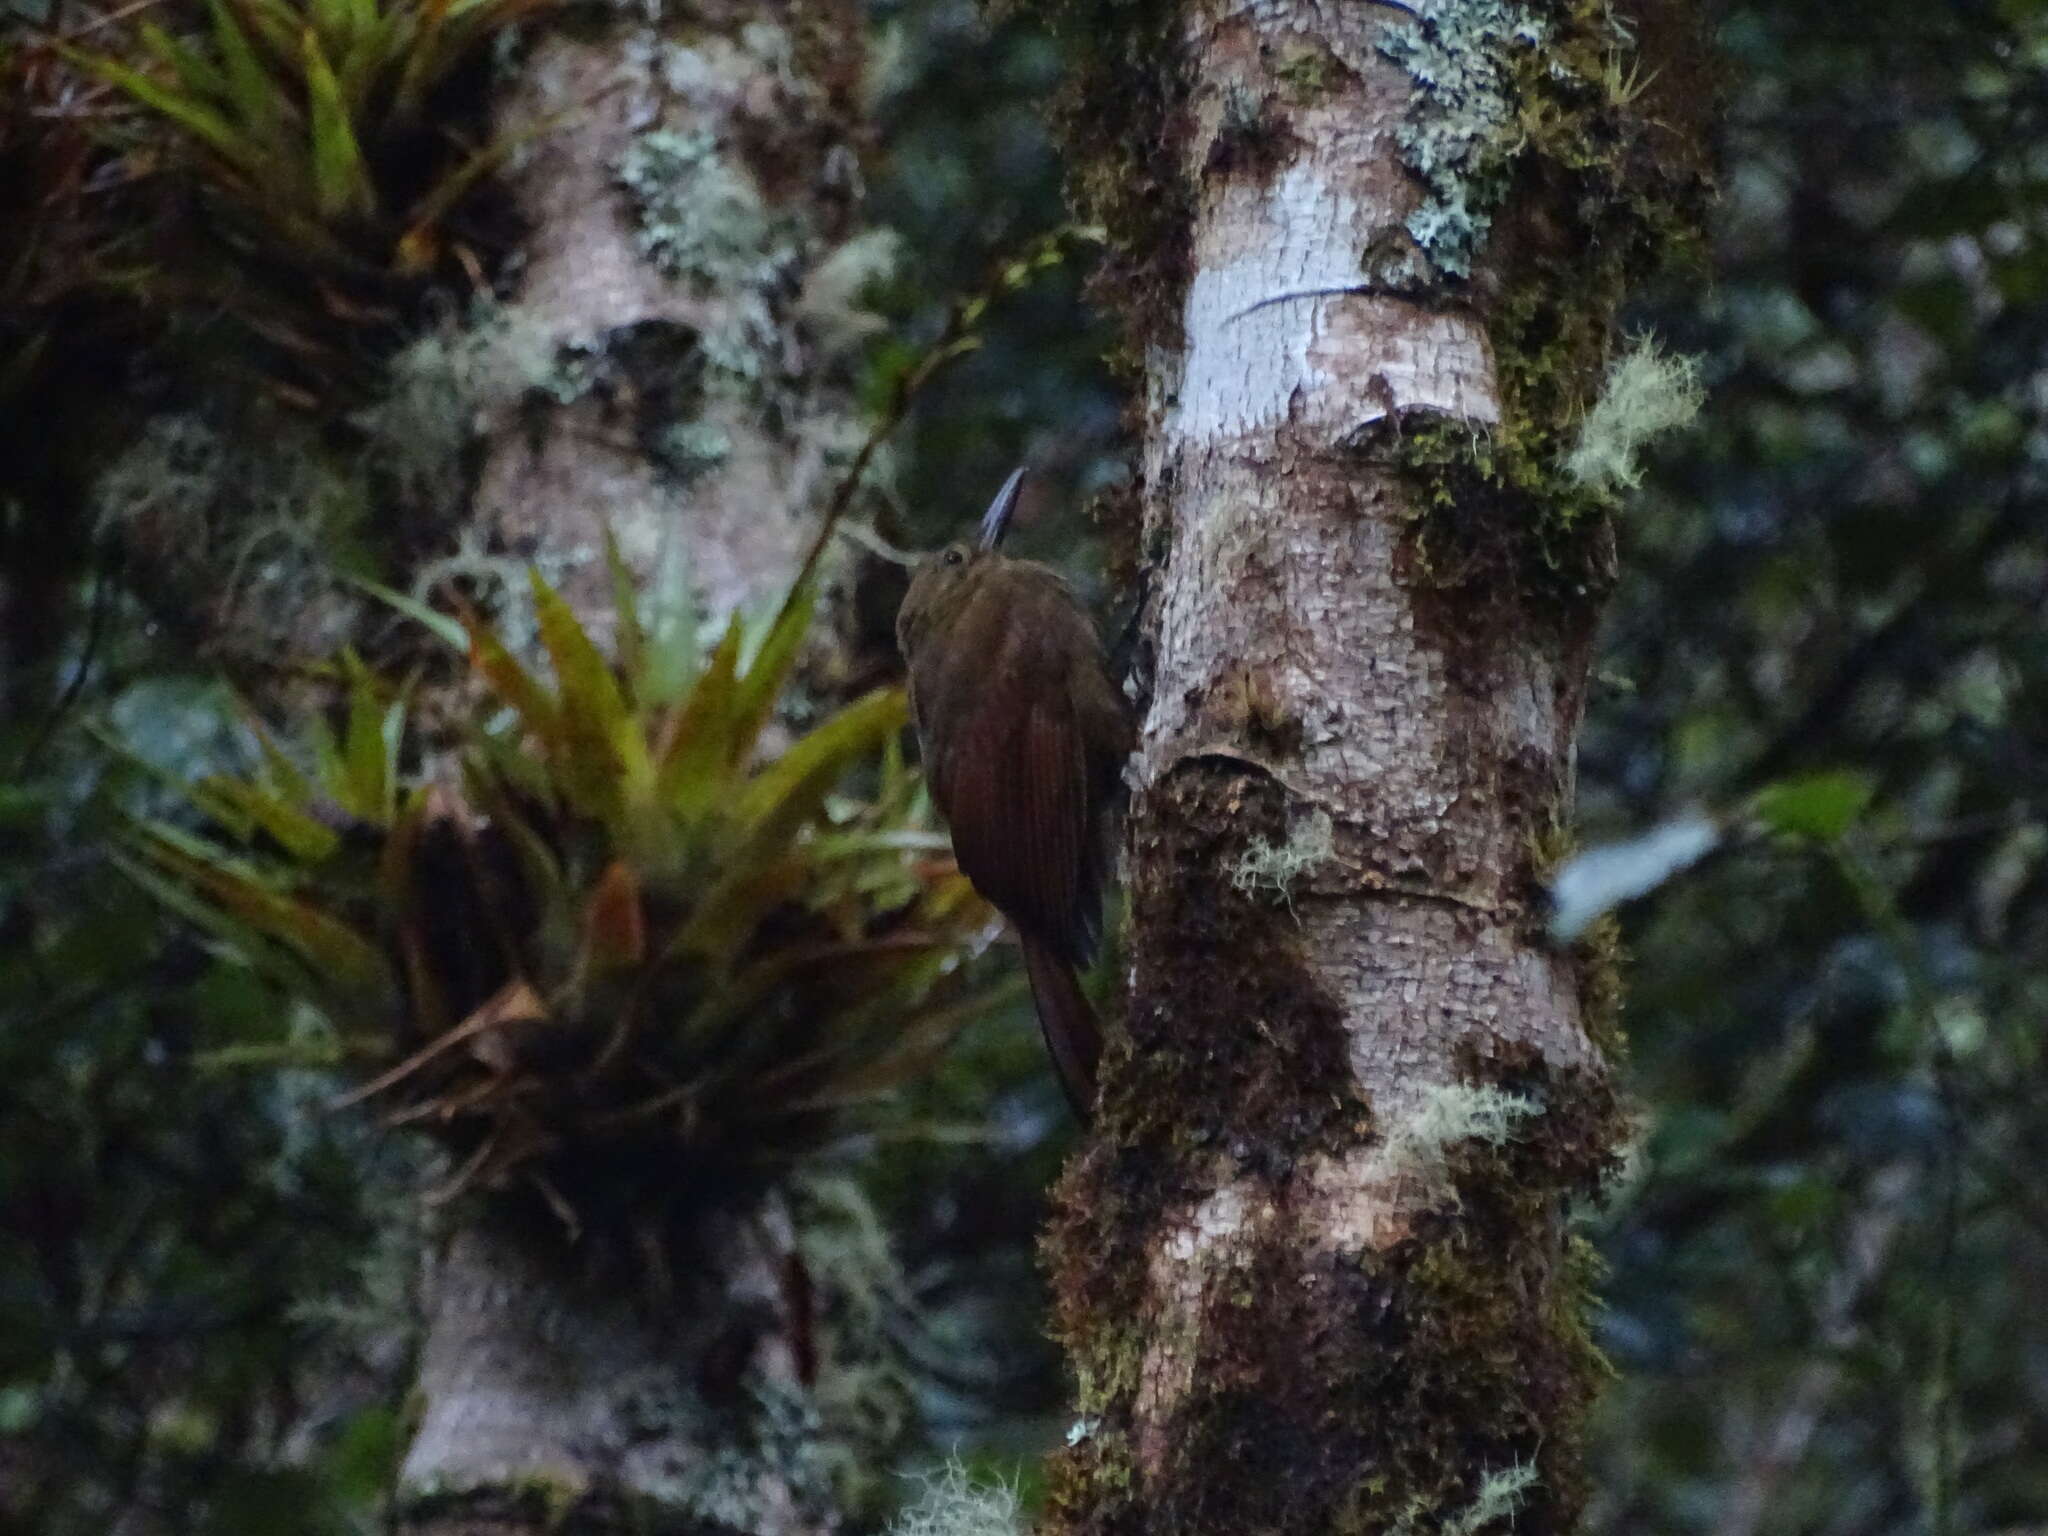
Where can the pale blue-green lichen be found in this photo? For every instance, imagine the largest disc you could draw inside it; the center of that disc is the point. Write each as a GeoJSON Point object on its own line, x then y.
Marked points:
{"type": "Point", "coordinates": [951, 1503]}
{"type": "Point", "coordinates": [1647, 393]}
{"type": "Point", "coordinates": [1460, 133]}
{"type": "Point", "coordinates": [697, 216]}
{"type": "Point", "coordinates": [726, 1459]}
{"type": "Point", "coordinates": [699, 219]}
{"type": "Point", "coordinates": [863, 1391]}
{"type": "Point", "coordinates": [239, 530]}
{"type": "Point", "coordinates": [451, 384]}
{"type": "Point", "coordinates": [1277, 867]}
{"type": "Point", "coordinates": [1500, 1496]}
{"type": "Point", "coordinates": [687, 449]}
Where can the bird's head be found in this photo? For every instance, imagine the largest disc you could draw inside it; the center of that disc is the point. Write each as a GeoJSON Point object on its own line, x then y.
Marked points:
{"type": "Point", "coordinates": [943, 581]}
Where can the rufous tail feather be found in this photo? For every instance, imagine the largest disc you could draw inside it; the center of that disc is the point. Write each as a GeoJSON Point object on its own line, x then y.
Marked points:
{"type": "Point", "coordinates": [1068, 1019]}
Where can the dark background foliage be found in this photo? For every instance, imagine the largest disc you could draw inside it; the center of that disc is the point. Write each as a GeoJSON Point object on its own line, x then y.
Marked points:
{"type": "Point", "coordinates": [1827, 1258]}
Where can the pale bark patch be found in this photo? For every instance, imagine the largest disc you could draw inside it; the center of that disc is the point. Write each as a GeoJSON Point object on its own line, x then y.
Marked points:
{"type": "Point", "coordinates": [1195, 1254]}
{"type": "Point", "coordinates": [1279, 329]}
{"type": "Point", "coordinates": [527, 1376]}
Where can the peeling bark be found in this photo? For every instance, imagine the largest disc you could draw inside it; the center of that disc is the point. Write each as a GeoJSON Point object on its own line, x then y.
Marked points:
{"type": "Point", "coordinates": [1314, 1266]}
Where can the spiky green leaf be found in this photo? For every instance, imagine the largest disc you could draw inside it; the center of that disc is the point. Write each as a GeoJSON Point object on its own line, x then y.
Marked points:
{"type": "Point", "coordinates": [273, 25]}
{"type": "Point", "coordinates": [447, 630]}
{"type": "Point", "coordinates": [692, 760]}
{"type": "Point", "coordinates": [370, 746]}
{"type": "Point", "coordinates": [769, 670]}
{"type": "Point", "coordinates": [512, 683]}
{"type": "Point", "coordinates": [298, 834]}
{"type": "Point", "coordinates": [792, 789]}
{"type": "Point", "coordinates": [260, 99]}
{"type": "Point", "coordinates": [669, 618]}
{"type": "Point", "coordinates": [197, 77]}
{"type": "Point", "coordinates": [289, 780]}
{"type": "Point", "coordinates": [331, 947]}
{"type": "Point", "coordinates": [727, 914]}
{"type": "Point", "coordinates": [423, 63]}
{"type": "Point", "coordinates": [342, 186]}
{"type": "Point", "coordinates": [198, 119]}
{"type": "Point", "coordinates": [631, 638]}
{"type": "Point", "coordinates": [604, 758]}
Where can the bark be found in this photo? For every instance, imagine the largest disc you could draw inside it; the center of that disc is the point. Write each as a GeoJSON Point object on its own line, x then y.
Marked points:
{"type": "Point", "coordinates": [1314, 1267]}
{"type": "Point", "coordinates": [695, 179]}
{"type": "Point", "coordinates": [553, 1398]}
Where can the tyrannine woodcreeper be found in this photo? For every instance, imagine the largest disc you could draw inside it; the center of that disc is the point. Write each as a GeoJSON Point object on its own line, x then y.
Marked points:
{"type": "Point", "coordinates": [1025, 734]}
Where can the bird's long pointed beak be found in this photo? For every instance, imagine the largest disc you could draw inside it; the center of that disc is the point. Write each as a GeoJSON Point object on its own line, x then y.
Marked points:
{"type": "Point", "coordinates": [997, 517]}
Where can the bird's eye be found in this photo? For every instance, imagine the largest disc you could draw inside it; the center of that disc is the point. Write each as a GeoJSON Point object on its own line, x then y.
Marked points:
{"type": "Point", "coordinates": [956, 556]}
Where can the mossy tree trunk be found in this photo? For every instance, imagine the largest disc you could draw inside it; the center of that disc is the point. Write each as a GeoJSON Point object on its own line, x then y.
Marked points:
{"type": "Point", "coordinates": [1315, 1266]}
{"type": "Point", "coordinates": [697, 185]}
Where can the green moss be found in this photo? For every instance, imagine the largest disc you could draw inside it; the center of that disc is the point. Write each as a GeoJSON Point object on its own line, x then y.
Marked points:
{"type": "Point", "coordinates": [1439, 1383]}
{"type": "Point", "coordinates": [1538, 169]}
{"type": "Point", "coordinates": [1221, 1066]}
{"type": "Point", "coordinates": [1309, 72]}
{"type": "Point", "coordinates": [1600, 956]}
{"type": "Point", "coordinates": [1398, 1386]}
{"type": "Point", "coordinates": [1434, 1385]}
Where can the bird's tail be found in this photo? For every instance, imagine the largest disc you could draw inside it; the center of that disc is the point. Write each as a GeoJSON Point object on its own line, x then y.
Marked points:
{"type": "Point", "coordinates": [1068, 1019]}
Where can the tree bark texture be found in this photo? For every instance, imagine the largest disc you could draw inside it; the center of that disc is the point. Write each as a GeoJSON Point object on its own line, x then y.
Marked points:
{"type": "Point", "coordinates": [1315, 1267]}
{"type": "Point", "coordinates": [556, 1395]}
{"type": "Point", "coordinates": [694, 186]}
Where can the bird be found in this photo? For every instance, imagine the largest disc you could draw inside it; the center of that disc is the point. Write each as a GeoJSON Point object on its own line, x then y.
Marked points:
{"type": "Point", "coordinates": [1024, 734]}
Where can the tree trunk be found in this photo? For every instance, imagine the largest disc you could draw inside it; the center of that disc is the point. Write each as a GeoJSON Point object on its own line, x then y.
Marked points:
{"type": "Point", "coordinates": [555, 1395]}
{"type": "Point", "coordinates": [697, 190]}
{"type": "Point", "coordinates": [666, 361]}
{"type": "Point", "coordinates": [1315, 1266]}
{"type": "Point", "coordinates": [690, 189]}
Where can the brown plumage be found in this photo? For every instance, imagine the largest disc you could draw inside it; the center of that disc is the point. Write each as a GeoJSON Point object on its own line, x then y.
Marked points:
{"type": "Point", "coordinates": [1025, 735]}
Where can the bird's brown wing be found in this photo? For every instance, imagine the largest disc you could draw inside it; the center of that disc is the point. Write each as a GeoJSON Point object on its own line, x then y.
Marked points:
{"type": "Point", "coordinates": [1012, 785]}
